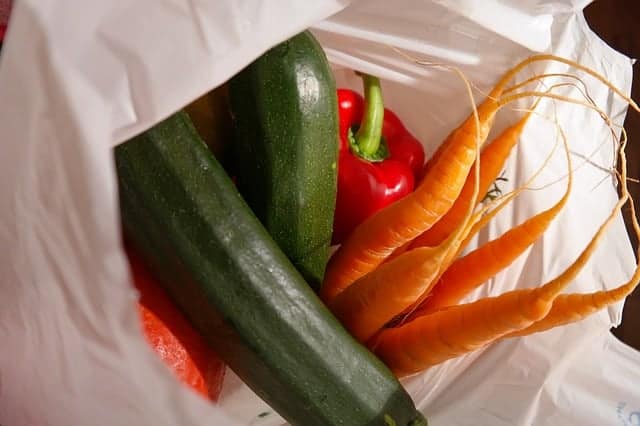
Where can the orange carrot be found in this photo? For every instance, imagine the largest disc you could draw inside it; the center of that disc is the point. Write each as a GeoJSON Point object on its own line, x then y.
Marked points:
{"type": "Point", "coordinates": [479, 218]}
{"type": "Point", "coordinates": [436, 337]}
{"type": "Point", "coordinates": [431, 339]}
{"type": "Point", "coordinates": [473, 269]}
{"type": "Point", "coordinates": [403, 282]}
{"type": "Point", "coordinates": [568, 308]}
{"type": "Point", "coordinates": [370, 302]}
{"type": "Point", "coordinates": [492, 160]}
{"type": "Point", "coordinates": [486, 112]}
{"type": "Point", "coordinates": [468, 272]}
{"type": "Point", "coordinates": [397, 252]}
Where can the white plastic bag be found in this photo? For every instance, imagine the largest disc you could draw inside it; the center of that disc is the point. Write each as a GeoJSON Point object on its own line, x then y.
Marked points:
{"type": "Point", "coordinates": [78, 77]}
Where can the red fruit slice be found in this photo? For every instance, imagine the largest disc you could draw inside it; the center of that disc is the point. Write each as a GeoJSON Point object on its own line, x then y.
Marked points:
{"type": "Point", "coordinates": [171, 336]}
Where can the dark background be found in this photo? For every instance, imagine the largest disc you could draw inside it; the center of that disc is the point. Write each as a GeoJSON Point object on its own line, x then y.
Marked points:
{"type": "Point", "coordinates": [618, 23]}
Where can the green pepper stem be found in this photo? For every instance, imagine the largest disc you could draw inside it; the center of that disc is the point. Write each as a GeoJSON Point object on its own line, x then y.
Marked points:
{"type": "Point", "coordinates": [370, 132]}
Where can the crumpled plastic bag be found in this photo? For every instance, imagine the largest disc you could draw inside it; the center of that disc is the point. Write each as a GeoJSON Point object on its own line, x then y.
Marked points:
{"type": "Point", "coordinates": [77, 78]}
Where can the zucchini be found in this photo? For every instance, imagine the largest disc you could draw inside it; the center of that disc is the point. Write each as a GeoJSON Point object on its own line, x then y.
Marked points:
{"type": "Point", "coordinates": [183, 214]}
{"type": "Point", "coordinates": [284, 109]}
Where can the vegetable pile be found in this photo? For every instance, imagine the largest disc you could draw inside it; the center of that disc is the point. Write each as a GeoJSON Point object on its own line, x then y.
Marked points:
{"type": "Point", "coordinates": [324, 339]}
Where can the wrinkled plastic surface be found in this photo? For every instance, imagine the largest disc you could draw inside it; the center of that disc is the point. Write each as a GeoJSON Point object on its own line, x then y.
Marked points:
{"type": "Point", "coordinates": [78, 77]}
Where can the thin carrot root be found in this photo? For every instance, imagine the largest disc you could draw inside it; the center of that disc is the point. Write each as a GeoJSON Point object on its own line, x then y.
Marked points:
{"type": "Point", "coordinates": [569, 308]}
{"type": "Point", "coordinates": [575, 307]}
{"type": "Point", "coordinates": [554, 58]}
{"type": "Point", "coordinates": [487, 108]}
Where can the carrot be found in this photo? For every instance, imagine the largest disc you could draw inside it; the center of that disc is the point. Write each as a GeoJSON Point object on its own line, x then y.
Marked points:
{"type": "Point", "coordinates": [468, 272]}
{"type": "Point", "coordinates": [493, 265]}
{"type": "Point", "coordinates": [397, 252]}
{"type": "Point", "coordinates": [373, 300]}
{"type": "Point", "coordinates": [433, 338]}
{"type": "Point", "coordinates": [473, 269]}
{"type": "Point", "coordinates": [487, 213]}
{"type": "Point", "coordinates": [492, 160]}
{"type": "Point", "coordinates": [569, 308]}
{"type": "Point", "coordinates": [486, 107]}
{"type": "Point", "coordinates": [486, 112]}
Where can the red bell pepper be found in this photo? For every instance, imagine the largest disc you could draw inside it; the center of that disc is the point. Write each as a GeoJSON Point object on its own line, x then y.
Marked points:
{"type": "Point", "coordinates": [379, 159]}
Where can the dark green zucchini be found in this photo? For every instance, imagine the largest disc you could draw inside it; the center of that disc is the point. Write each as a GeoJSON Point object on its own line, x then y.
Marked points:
{"type": "Point", "coordinates": [285, 116]}
{"type": "Point", "coordinates": [185, 217]}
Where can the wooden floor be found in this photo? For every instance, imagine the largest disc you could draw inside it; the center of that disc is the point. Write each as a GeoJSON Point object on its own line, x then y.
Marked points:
{"type": "Point", "coordinates": [618, 23]}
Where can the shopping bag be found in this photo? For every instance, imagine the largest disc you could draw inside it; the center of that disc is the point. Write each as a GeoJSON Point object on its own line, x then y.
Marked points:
{"type": "Point", "coordinates": [77, 78]}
